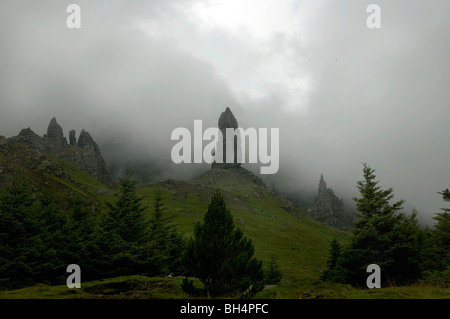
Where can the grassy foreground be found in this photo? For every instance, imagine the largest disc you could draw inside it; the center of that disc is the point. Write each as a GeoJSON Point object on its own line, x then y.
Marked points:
{"type": "Point", "coordinates": [141, 287]}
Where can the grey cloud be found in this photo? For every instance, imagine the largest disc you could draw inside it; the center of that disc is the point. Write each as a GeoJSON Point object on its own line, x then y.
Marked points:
{"type": "Point", "coordinates": [377, 96]}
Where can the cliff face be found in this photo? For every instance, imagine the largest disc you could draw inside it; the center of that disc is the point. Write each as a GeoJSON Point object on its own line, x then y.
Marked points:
{"type": "Point", "coordinates": [85, 154]}
{"type": "Point", "coordinates": [328, 209]}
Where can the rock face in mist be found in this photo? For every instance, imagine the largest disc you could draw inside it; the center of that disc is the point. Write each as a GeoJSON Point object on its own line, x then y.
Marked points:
{"type": "Point", "coordinates": [55, 136]}
{"type": "Point", "coordinates": [72, 137]}
{"type": "Point", "coordinates": [85, 154]}
{"type": "Point", "coordinates": [328, 209]}
{"type": "Point", "coordinates": [89, 158]}
{"type": "Point", "coordinates": [227, 120]}
{"type": "Point", "coordinates": [28, 137]}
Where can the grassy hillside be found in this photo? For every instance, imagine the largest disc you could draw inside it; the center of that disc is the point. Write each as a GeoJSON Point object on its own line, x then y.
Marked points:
{"type": "Point", "coordinates": [49, 175]}
{"type": "Point", "coordinates": [299, 244]}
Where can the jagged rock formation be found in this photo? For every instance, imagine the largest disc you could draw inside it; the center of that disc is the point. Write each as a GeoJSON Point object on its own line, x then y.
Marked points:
{"type": "Point", "coordinates": [55, 136]}
{"type": "Point", "coordinates": [28, 137]}
{"type": "Point", "coordinates": [227, 120]}
{"type": "Point", "coordinates": [328, 209]}
{"type": "Point", "coordinates": [72, 137]}
{"type": "Point", "coordinates": [89, 157]}
{"type": "Point", "coordinates": [85, 154]}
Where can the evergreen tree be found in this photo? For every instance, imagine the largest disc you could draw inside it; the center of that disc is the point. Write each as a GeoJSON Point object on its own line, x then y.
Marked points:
{"type": "Point", "coordinates": [168, 241]}
{"type": "Point", "coordinates": [221, 257]}
{"type": "Point", "coordinates": [126, 217]}
{"type": "Point", "coordinates": [405, 251]}
{"type": "Point", "coordinates": [19, 242]}
{"type": "Point", "coordinates": [83, 240]}
{"type": "Point", "coordinates": [57, 239]}
{"type": "Point", "coordinates": [441, 238]}
{"type": "Point", "coordinates": [381, 236]}
{"type": "Point", "coordinates": [437, 256]}
{"type": "Point", "coordinates": [273, 274]}
{"type": "Point", "coordinates": [335, 253]}
{"type": "Point", "coordinates": [126, 238]}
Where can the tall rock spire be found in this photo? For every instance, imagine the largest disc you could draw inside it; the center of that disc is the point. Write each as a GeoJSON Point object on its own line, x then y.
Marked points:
{"type": "Point", "coordinates": [72, 137]}
{"type": "Point", "coordinates": [322, 184]}
{"type": "Point", "coordinates": [55, 136]}
{"type": "Point", "coordinates": [227, 120]}
{"type": "Point", "coordinates": [54, 130]}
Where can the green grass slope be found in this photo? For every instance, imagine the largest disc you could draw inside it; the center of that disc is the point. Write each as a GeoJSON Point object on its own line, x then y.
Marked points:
{"type": "Point", "coordinates": [299, 243]}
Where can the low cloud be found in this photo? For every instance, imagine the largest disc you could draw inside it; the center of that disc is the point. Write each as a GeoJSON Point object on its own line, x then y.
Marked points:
{"type": "Point", "coordinates": [341, 93]}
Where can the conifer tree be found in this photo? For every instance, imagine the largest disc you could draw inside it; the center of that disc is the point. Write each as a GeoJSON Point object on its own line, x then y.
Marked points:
{"type": "Point", "coordinates": [168, 241]}
{"type": "Point", "coordinates": [273, 274]}
{"type": "Point", "coordinates": [381, 236]}
{"type": "Point", "coordinates": [126, 239]}
{"type": "Point", "coordinates": [335, 253]}
{"type": "Point", "coordinates": [221, 257]}
{"type": "Point", "coordinates": [83, 240]}
{"type": "Point", "coordinates": [440, 240]}
{"type": "Point", "coordinates": [19, 243]}
{"type": "Point", "coordinates": [56, 237]}
{"type": "Point", "coordinates": [126, 217]}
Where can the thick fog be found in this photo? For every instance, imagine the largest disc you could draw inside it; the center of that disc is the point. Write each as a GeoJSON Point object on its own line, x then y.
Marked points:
{"type": "Point", "coordinates": [340, 93]}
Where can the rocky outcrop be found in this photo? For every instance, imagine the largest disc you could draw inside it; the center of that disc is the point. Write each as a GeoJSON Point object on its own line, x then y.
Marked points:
{"type": "Point", "coordinates": [72, 137]}
{"type": "Point", "coordinates": [227, 120]}
{"type": "Point", "coordinates": [85, 154]}
{"type": "Point", "coordinates": [28, 137]}
{"type": "Point", "coordinates": [328, 209]}
{"type": "Point", "coordinates": [55, 136]}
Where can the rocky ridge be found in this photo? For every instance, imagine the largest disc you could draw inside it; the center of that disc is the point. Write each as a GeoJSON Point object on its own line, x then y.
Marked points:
{"type": "Point", "coordinates": [85, 153]}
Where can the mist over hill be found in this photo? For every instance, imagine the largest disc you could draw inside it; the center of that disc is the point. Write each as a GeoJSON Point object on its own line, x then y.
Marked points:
{"type": "Point", "coordinates": [340, 93]}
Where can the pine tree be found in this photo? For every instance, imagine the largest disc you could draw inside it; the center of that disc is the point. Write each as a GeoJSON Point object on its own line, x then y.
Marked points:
{"type": "Point", "coordinates": [56, 237]}
{"type": "Point", "coordinates": [83, 240]}
{"type": "Point", "coordinates": [168, 241]}
{"type": "Point", "coordinates": [438, 254]}
{"type": "Point", "coordinates": [441, 238]}
{"type": "Point", "coordinates": [381, 236]}
{"type": "Point", "coordinates": [126, 217]}
{"type": "Point", "coordinates": [221, 257]}
{"type": "Point", "coordinates": [19, 241]}
{"type": "Point", "coordinates": [126, 239]}
{"type": "Point", "coordinates": [335, 253]}
{"type": "Point", "coordinates": [273, 274]}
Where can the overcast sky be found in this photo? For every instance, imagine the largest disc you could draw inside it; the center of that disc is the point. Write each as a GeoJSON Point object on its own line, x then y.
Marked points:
{"type": "Point", "coordinates": [341, 93]}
